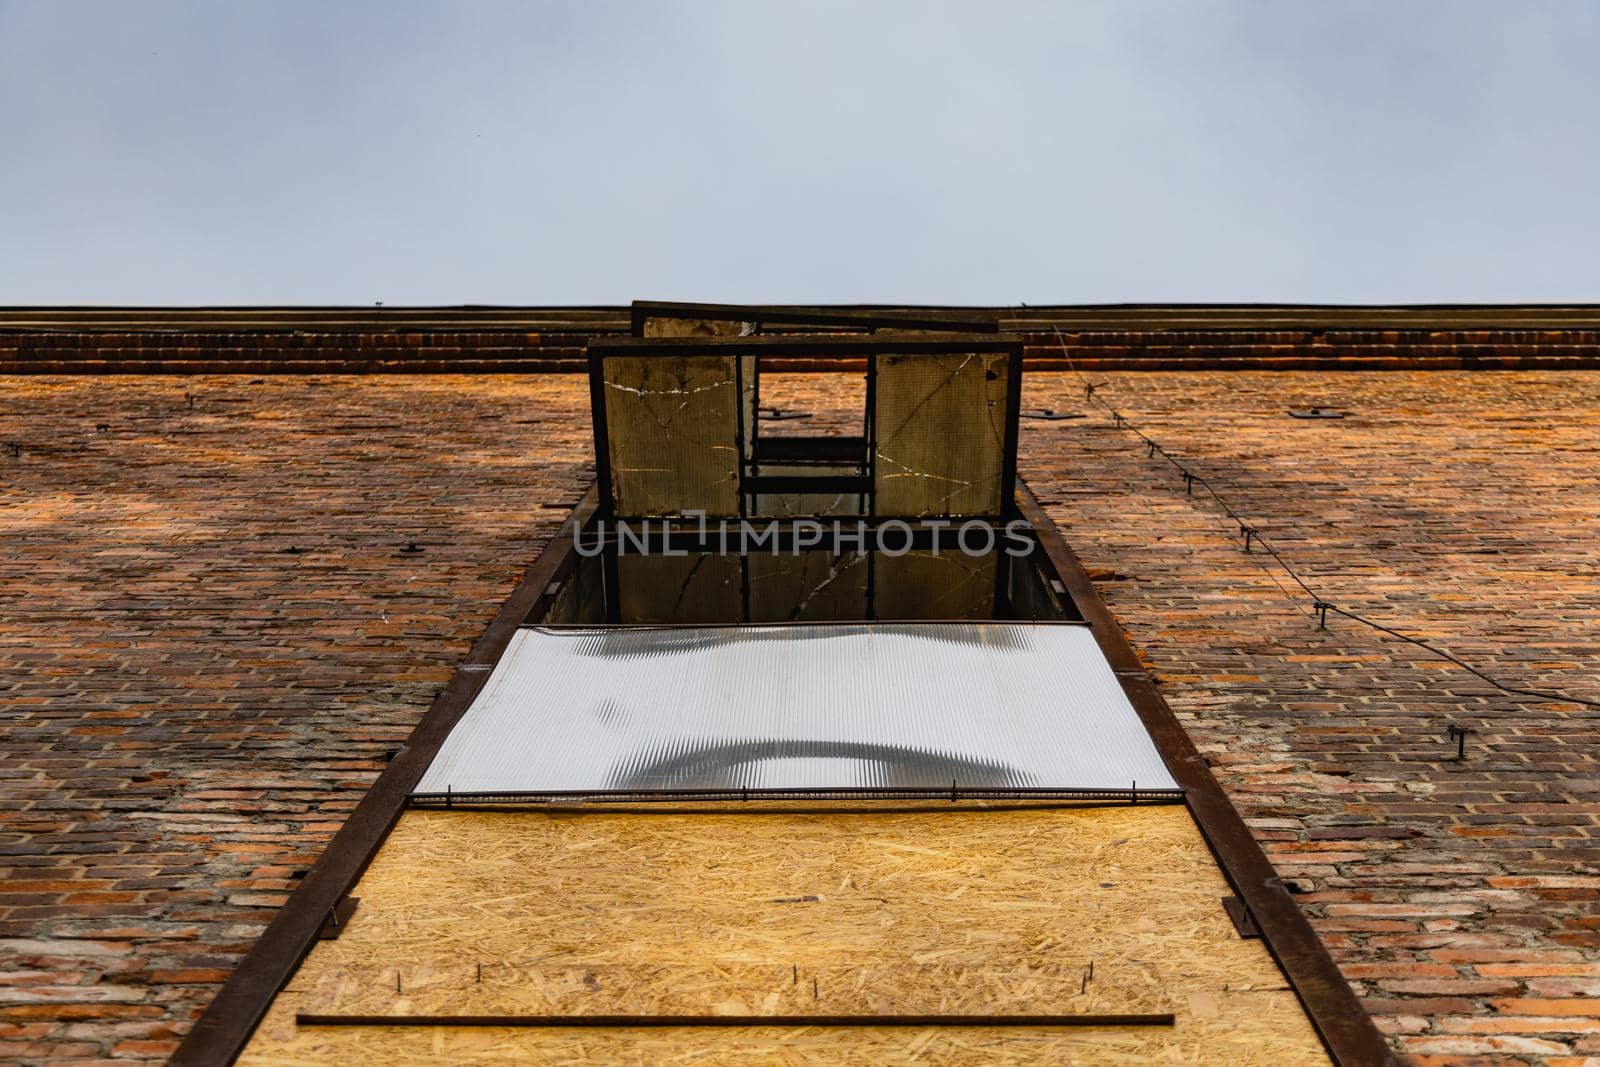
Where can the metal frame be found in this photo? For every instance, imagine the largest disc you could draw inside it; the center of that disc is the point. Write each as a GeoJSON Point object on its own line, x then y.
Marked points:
{"type": "Point", "coordinates": [1132, 796]}
{"type": "Point", "coordinates": [606, 504]}
{"type": "Point", "coordinates": [1347, 1032]}
{"type": "Point", "coordinates": [809, 449]}
{"type": "Point", "coordinates": [789, 625]}
{"type": "Point", "coordinates": [591, 319]}
{"type": "Point", "coordinates": [832, 347]}
{"type": "Point", "coordinates": [869, 504]}
{"type": "Point", "coordinates": [826, 349]}
{"type": "Point", "coordinates": [777, 484]}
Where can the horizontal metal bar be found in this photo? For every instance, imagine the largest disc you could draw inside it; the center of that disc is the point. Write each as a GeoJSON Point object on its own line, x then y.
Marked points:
{"type": "Point", "coordinates": [821, 346]}
{"type": "Point", "coordinates": [1198, 318]}
{"type": "Point", "coordinates": [783, 625]}
{"type": "Point", "coordinates": [1135, 1019]}
{"type": "Point", "coordinates": [808, 483]}
{"type": "Point", "coordinates": [816, 449]}
{"type": "Point", "coordinates": [952, 793]}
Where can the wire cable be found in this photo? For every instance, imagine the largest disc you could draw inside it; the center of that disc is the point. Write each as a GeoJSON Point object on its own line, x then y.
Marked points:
{"type": "Point", "coordinates": [1320, 605]}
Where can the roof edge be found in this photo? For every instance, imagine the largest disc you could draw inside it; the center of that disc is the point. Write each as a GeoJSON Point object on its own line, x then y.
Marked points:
{"type": "Point", "coordinates": [615, 318]}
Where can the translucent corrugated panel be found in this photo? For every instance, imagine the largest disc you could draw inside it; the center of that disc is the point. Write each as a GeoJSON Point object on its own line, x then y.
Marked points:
{"type": "Point", "coordinates": [888, 705]}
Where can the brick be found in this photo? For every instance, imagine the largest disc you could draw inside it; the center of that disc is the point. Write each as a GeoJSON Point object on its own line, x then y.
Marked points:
{"type": "Point", "coordinates": [144, 1049]}
{"type": "Point", "coordinates": [1537, 970]}
{"type": "Point", "coordinates": [1547, 1006]}
{"type": "Point", "coordinates": [1565, 987]}
{"type": "Point", "coordinates": [1482, 1045]}
{"type": "Point", "coordinates": [1522, 1024]}
{"type": "Point", "coordinates": [18, 946]}
{"type": "Point", "coordinates": [1465, 987]}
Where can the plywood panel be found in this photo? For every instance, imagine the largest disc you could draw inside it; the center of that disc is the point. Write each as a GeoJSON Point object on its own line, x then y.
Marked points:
{"type": "Point", "coordinates": [949, 912]}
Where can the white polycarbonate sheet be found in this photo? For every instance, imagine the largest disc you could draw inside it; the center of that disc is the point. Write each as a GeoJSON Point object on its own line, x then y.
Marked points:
{"type": "Point", "coordinates": [887, 705]}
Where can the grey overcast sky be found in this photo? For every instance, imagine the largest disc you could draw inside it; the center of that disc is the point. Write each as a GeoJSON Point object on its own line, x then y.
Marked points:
{"type": "Point", "coordinates": [595, 152]}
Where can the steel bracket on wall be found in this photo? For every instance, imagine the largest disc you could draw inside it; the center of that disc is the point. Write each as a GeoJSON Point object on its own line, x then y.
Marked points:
{"type": "Point", "coordinates": [338, 918]}
{"type": "Point", "coordinates": [1243, 922]}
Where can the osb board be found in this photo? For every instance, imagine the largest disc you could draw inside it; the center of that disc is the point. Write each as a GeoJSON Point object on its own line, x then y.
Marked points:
{"type": "Point", "coordinates": [951, 912]}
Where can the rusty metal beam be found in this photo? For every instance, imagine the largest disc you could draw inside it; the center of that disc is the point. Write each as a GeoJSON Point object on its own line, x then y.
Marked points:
{"type": "Point", "coordinates": [1132, 1019]}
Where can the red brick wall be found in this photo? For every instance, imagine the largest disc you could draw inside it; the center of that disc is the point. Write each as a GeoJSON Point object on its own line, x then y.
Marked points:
{"type": "Point", "coordinates": [1316, 349]}
{"type": "Point", "coordinates": [369, 352]}
{"type": "Point", "coordinates": [521, 351]}
{"type": "Point", "coordinates": [1462, 898]}
{"type": "Point", "coordinates": [208, 641]}
{"type": "Point", "coordinates": [188, 708]}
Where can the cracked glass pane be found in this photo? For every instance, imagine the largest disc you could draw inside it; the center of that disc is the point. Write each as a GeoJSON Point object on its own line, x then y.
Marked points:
{"type": "Point", "coordinates": [672, 425]}
{"type": "Point", "coordinates": [920, 585]}
{"type": "Point", "coordinates": [699, 588]}
{"type": "Point", "coordinates": [809, 587]}
{"type": "Point", "coordinates": [941, 434]}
